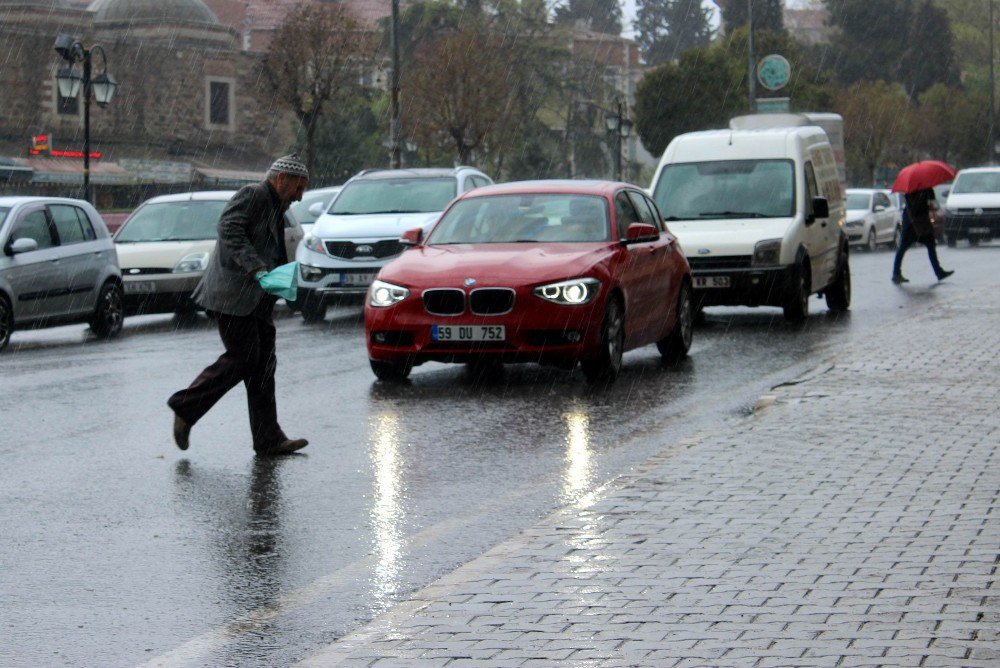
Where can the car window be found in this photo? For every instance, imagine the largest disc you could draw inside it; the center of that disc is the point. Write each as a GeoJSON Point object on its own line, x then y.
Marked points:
{"type": "Point", "coordinates": [625, 213]}
{"type": "Point", "coordinates": [524, 219]}
{"type": "Point", "coordinates": [3, 214]}
{"type": "Point", "coordinates": [68, 224]}
{"type": "Point", "coordinates": [726, 189]}
{"type": "Point", "coordinates": [187, 220]}
{"type": "Point", "coordinates": [395, 195]}
{"type": "Point", "coordinates": [858, 200]}
{"type": "Point", "coordinates": [645, 214]}
{"type": "Point", "coordinates": [480, 181]}
{"type": "Point", "coordinates": [34, 225]}
{"type": "Point", "coordinates": [882, 200]}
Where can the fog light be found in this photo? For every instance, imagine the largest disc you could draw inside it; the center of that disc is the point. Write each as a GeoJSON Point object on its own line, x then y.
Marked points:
{"type": "Point", "coordinates": [378, 337]}
{"type": "Point", "coordinates": [573, 337]}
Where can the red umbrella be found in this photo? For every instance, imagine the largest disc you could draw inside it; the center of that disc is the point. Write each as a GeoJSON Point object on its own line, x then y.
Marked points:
{"type": "Point", "coordinates": [922, 175]}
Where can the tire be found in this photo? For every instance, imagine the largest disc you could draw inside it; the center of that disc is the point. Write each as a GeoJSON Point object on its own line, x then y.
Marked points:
{"type": "Point", "coordinates": [6, 322]}
{"type": "Point", "coordinates": [605, 365]}
{"type": "Point", "coordinates": [313, 311]}
{"type": "Point", "coordinates": [871, 244]}
{"type": "Point", "coordinates": [838, 293]}
{"type": "Point", "coordinates": [390, 371]}
{"type": "Point", "coordinates": [973, 240]}
{"type": "Point", "coordinates": [897, 238]}
{"type": "Point", "coordinates": [108, 316]}
{"type": "Point", "coordinates": [675, 346]}
{"type": "Point", "coordinates": [951, 240]}
{"type": "Point", "coordinates": [796, 306]}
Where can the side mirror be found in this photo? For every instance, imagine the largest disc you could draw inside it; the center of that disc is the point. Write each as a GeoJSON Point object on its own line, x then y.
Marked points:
{"type": "Point", "coordinates": [412, 237]}
{"type": "Point", "coordinates": [23, 245]}
{"type": "Point", "coordinates": [820, 209]}
{"type": "Point", "coordinates": [637, 232]}
{"type": "Point", "coordinates": [317, 209]}
{"type": "Point", "coordinates": [879, 208]}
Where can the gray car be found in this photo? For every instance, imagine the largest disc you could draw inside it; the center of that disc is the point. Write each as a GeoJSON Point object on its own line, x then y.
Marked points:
{"type": "Point", "coordinates": [58, 266]}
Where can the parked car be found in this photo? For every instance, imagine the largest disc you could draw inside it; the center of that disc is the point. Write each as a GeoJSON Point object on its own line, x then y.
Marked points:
{"type": "Point", "coordinates": [360, 231]}
{"type": "Point", "coordinates": [898, 203]}
{"type": "Point", "coordinates": [58, 266]}
{"type": "Point", "coordinates": [554, 272]}
{"type": "Point", "coordinates": [313, 204]}
{"type": "Point", "coordinates": [871, 219]}
{"type": "Point", "coordinates": [164, 247]}
{"type": "Point", "coordinates": [972, 210]}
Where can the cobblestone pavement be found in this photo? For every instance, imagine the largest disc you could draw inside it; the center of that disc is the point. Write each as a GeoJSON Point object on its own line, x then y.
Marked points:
{"type": "Point", "coordinates": [852, 522]}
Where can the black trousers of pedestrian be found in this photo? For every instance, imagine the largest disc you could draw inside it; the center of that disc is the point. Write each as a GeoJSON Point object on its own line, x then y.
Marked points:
{"type": "Point", "coordinates": [250, 359]}
{"type": "Point", "coordinates": [907, 239]}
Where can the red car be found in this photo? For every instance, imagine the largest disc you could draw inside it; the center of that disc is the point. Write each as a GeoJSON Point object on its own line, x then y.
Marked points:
{"type": "Point", "coordinates": [553, 272]}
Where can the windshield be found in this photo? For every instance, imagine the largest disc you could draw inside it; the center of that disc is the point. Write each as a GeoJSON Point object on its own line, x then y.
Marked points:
{"type": "Point", "coordinates": [190, 220]}
{"type": "Point", "coordinates": [977, 182]}
{"type": "Point", "coordinates": [524, 218]}
{"type": "Point", "coordinates": [3, 214]}
{"type": "Point", "coordinates": [399, 195]}
{"type": "Point", "coordinates": [857, 200]}
{"type": "Point", "coordinates": [726, 189]}
{"type": "Point", "coordinates": [301, 208]}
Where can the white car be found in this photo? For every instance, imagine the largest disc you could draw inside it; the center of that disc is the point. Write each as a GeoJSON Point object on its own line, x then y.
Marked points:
{"type": "Point", "coordinates": [359, 233]}
{"type": "Point", "coordinates": [972, 209]}
{"type": "Point", "coordinates": [872, 219]}
{"type": "Point", "coordinates": [164, 247]}
{"type": "Point", "coordinates": [312, 205]}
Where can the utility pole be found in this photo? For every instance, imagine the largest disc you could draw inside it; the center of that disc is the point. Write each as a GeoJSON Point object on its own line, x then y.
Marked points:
{"type": "Point", "coordinates": [991, 135]}
{"type": "Point", "coordinates": [752, 68]}
{"type": "Point", "coordinates": [394, 123]}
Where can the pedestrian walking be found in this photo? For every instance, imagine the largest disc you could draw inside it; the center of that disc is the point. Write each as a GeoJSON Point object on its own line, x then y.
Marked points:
{"type": "Point", "coordinates": [250, 243]}
{"type": "Point", "coordinates": [918, 226]}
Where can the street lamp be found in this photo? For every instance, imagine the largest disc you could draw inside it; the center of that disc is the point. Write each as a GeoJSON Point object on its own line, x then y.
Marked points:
{"type": "Point", "coordinates": [69, 81]}
{"type": "Point", "coordinates": [619, 127]}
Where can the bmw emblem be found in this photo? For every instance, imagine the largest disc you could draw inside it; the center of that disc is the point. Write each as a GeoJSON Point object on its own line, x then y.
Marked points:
{"type": "Point", "coordinates": [469, 282]}
{"type": "Point", "coordinates": [704, 251]}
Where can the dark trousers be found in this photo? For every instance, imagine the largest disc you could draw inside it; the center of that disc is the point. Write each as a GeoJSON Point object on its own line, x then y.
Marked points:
{"type": "Point", "coordinates": [907, 239]}
{"type": "Point", "coordinates": [250, 359]}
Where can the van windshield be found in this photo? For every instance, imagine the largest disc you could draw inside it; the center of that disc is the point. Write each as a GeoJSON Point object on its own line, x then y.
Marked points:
{"type": "Point", "coordinates": [977, 182]}
{"type": "Point", "coordinates": [726, 189]}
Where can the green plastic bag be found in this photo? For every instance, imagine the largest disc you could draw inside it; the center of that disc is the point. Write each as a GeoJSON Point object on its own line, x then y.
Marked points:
{"type": "Point", "coordinates": [281, 282]}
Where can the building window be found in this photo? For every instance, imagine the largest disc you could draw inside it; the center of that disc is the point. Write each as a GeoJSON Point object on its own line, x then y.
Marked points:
{"type": "Point", "coordinates": [219, 103]}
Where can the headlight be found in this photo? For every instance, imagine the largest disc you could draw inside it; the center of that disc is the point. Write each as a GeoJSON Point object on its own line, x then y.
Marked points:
{"type": "Point", "coordinates": [315, 244]}
{"type": "Point", "coordinates": [382, 294]}
{"type": "Point", "coordinates": [574, 292]}
{"type": "Point", "coordinates": [767, 253]}
{"type": "Point", "coordinates": [191, 263]}
{"type": "Point", "coordinates": [853, 223]}
{"type": "Point", "coordinates": [310, 274]}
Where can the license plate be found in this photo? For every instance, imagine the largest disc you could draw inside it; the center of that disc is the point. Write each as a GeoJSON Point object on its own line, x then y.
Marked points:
{"type": "Point", "coordinates": [468, 333]}
{"type": "Point", "coordinates": [140, 287]}
{"type": "Point", "coordinates": [711, 281]}
{"type": "Point", "coordinates": [978, 230]}
{"type": "Point", "coordinates": [357, 279]}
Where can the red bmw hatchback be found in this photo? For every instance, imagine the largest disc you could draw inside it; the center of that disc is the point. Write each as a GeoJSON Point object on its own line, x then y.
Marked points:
{"type": "Point", "coordinates": [552, 272]}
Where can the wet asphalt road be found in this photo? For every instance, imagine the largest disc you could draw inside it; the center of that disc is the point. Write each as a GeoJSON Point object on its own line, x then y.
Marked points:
{"type": "Point", "coordinates": [118, 549]}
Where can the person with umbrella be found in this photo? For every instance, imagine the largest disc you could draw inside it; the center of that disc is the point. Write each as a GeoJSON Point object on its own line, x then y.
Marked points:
{"type": "Point", "coordinates": [916, 182]}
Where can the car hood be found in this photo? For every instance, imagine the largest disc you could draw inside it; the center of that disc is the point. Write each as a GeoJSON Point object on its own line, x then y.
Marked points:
{"type": "Point", "coordinates": [494, 264]}
{"type": "Point", "coordinates": [370, 226]}
{"type": "Point", "coordinates": [854, 215]}
{"type": "Point", "coordinates": [149, 254]}
{"type": "Point", "coordinates": [726, 237]}
{"type": "Point", "coordinates": [973, 200]}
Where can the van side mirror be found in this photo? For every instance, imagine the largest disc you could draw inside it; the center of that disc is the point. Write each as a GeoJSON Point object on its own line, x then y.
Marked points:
{"type": "Point", "coordinates": [317, 209]}
{"type": "Point", "coordinates": [820, 209]}
{"type": "Point", "coordinates": [412, 237]}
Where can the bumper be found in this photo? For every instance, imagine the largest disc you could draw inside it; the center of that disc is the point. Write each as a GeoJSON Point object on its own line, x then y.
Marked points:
{"type": "Point", "coordinates": [158, 293]}
{"type": "Point", "coordinates": [978, 226]}
{"type": "Point", "coordinates": [747, 287]}
{"type": "Point", "coordinates": [856, 235]}
{"type": "Point", "coordinates": [334, 282]}
{"type": "Point", "coordinates": [542, 333]}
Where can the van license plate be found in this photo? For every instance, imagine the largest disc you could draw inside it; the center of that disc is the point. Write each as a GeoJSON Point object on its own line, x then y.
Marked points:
{"type": "Point", "coordinates": [978, 230]}
{"type": "Point", "coordinates": [140, 287]}
{"type": "Point", "coordinates": [468, 333]}
{"type": "Point", "coordinates": [711, 281]}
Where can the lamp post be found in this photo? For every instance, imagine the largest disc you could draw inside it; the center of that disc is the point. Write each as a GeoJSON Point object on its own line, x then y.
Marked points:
{"type": "Point", "coordinates": [619, 127]}
{"type": "Point", "coordinates": [103, 87]}
{"type": "Point", "coordinates": [990, 141]}
{"type": "Point", "coordinates": [395, 157]}
{"type": "Point", "coordinates": [752, 64]}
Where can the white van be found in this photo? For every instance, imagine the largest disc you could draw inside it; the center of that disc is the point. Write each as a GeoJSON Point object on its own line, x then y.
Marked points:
{"type": "Point", "coordinates": [760, 215]}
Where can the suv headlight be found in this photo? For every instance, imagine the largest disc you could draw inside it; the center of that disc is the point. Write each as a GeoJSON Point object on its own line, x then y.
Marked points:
{"type": "Point", "coordinates": [767, 253]}
{"type": "Point", "coordinates": [192, 263]}
{"type": "Point", "coordinates": [382, 294]}
{"type": "Point", "coordinates": [574, 292]}
{"type": "Point", "coordinates": [315, 244]}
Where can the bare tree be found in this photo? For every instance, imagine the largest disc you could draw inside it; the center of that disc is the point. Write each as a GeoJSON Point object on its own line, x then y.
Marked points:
{"type": "Point", "coordinates": [316, 54]}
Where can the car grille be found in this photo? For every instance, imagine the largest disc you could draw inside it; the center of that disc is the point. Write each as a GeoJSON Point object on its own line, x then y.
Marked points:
{"type": "Point", "coordinates": [350, 250]}
{"type": "Point", "coordinates": [973, 212]}
{"type": "Point", "coordinates": [722, 262]}
{"type": "Point", "coordinates": [444, 301]}
{"type": "Point", "coordinates": [491, 301]}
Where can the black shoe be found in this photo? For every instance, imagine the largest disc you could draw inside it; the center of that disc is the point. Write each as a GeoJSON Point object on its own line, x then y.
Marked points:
{"type": "Point", "coordinates": [943, 274]}
{"type": "Point", "coordinates": [182, 432]}
{"type": "Point", "coordinates": [898, 278]}
{"type": "Point", "coordinates": [286, 447]}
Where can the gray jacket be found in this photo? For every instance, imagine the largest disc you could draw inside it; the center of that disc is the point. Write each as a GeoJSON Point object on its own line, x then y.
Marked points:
{"type": "Point", "coordinates": [251, 237]}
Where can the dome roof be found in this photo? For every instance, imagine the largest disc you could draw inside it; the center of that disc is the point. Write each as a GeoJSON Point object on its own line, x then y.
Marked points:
{"type": "Point", "coordinates": [47, 4]}
{"type": "Point", "coordinates": [164, 11]}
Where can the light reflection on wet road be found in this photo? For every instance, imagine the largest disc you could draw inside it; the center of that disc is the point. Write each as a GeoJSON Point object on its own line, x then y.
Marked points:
{"type": "Point", "coordinates": [119, 549]}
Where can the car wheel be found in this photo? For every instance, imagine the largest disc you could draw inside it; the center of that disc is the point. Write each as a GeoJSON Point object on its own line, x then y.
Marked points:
{"type": "Point", "coordinates": [6, 322]}
{"type": "Point", "coordinates": [675, 345]}
{"type": "Point", "coordinates": [796, 306]}
{"type": "Point", "coordinates": [871, 245]}
{"type": "Point", "coordinates": [951, 240]}
{"type": "Point", "coordinates": [313, 311]}
{"type": "Point", "coordinates": [897, 238]}
{"type": "Point", "coordinates": [108, 315]}
{"type": "Point", "coordinates": [607, 362]}
{"type": "Point", "coordinates": [390, 371]}
{"type": "Point", "coordinates": [838, 294]}
{"type": "Point", "coordinates": [973, 240]}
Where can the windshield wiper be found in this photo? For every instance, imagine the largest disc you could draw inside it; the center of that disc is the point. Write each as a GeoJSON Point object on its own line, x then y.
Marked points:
{"type": "Point", "coordinates": [731, 214]}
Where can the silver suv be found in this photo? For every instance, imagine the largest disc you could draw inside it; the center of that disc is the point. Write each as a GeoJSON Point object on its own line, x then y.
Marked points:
{"type": "Point", "coordinates": [359, 232]}
{"type": "Point", "coordinates": [58, 266]}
